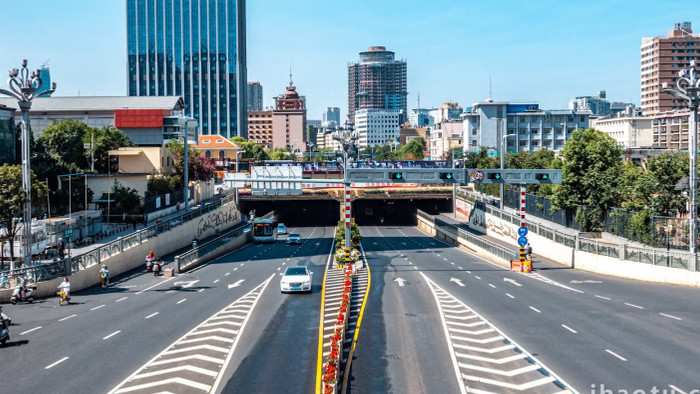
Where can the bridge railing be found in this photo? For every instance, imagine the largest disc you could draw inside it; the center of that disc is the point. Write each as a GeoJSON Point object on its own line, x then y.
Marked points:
{"type": "Point", "coordinates": [47, 271]}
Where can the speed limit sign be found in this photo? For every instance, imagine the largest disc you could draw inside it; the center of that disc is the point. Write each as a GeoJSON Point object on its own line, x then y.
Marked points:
{"type": "Point", "coordinates": [478, 176]}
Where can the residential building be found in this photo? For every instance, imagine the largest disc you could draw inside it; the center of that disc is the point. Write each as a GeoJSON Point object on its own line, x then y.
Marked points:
{"type": "Point", "coordinates": [449, 110]}
{"type": "Point", "coordinates": [669, 130]}
{"type": "Point", "coordinates": [377, 127]}
{"type": "Point", "coordinates": [629, 130]}
{"type": "Point", "coordinates": [282, 127]}
{"type": "Point", "coordinates": [445, 136]}
{"type": "Point", "coordinates": [325, 140]}
{"type": "Point", "coordinates": [193, 49]}
{"type": "Point", "coordinates": [255, 96]}
{"type": "Point", "coordinates": [8, 151]}
{"type": "Point", "coordinates": [221, 150]}
{"type": "Point", "coordinates": [147, 121]}
{"type": "Point", "coordinates": [331, 117]}
{"type": "Point", "coordinates": [662, 58]}
{"type": "Point", "coordinates": [377, 81]}
{"type": "Point", "coordinates": [260, 128]}
{"type": "Point", "coordinates": [532, 127]}
{"type": "Point", "coordinates": [407, 134]}
{"type": "Point", "coordinates": [421, 117]}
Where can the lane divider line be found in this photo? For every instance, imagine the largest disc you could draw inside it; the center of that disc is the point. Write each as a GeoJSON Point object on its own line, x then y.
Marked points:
{"type": "Point", "coordinates": [615, 354]}
{"type": "Point", "coordinates": [151, 315]}
{"type": "Point", "coordinates": [28, 331]}
{"type": "Point", "coordinates": [569, 328]}
{"type": "Point", "coordinates": [670, 316]}
{"type": "Point", "coordinates": [56, 363]}
{"type": "Point", "coordinates": [68, 317]}
{"type": "Point", "coordinates": [111, 335]}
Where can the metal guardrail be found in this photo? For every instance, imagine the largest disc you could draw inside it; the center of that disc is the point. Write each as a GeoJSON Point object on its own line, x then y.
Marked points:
{"type": "Point", "coordinates": [47, 271]}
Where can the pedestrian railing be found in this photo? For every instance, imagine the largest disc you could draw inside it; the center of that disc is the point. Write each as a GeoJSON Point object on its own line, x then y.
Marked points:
{"type": "Point", "coordinates": [47, 271]}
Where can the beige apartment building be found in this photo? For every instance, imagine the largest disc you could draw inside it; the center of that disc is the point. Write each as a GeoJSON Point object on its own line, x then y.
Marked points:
{"type": "Point", "coordinates": [670, 130]}
{"type": "Point", "coordinates": [662, 58]}
{"type": "Point", "coordinates": [627, 130]}
{"type": "Point", "coordinates": [260, 128]}
{"type": "Point", "coordinates": [282, 127]}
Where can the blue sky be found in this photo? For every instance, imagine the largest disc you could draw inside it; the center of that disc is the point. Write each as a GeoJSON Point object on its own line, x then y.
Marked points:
{"type": "Point", "coordinates": [544, 51]}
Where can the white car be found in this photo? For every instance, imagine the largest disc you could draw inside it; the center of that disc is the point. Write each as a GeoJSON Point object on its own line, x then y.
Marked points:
{"type": "Point", "coordinates": [294, 238]}
{"type": "Point", "coordinates": [281, 228]}
{"type": "Point", "coordinates": [296, 279]}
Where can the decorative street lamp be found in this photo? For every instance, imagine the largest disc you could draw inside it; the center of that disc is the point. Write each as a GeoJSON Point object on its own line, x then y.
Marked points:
{"type": "Point", "coordinates": [347, 139]}
{"type": "Point", "coordinates": [24, 86]}
{"type": "Point", "coordinates": [688, 88]}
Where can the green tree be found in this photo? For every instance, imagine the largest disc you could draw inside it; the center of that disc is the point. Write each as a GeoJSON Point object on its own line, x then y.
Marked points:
{"type": "Point", "coordinates": [278, 154]}
{"type": "Point", "coordinates": [12, 199]}
{"type": "Point", "coordinates": [414, 150]}
{"type": "Point", "coordinates": [126, 200]}
{"type": "Point", "coordinates": [159, 184]}
{"type": "Point", "coordinates": [62, 143]}
{"type": "Point", "coordinates": [591, 174]}
{"type": "Point", "coordinates": [666, 170]}
{"type": "Point", "coordinates": [199, 167]}
{"type": "Point", "coordinates": [355, 236]}
{"type": "Point", "coordinates": [254, 151]}
{"type": "Point", "coordinates": [106, 139]}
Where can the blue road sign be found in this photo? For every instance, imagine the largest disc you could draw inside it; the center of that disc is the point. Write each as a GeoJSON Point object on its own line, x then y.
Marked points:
{"type": "Point", "coordinates": [522, 241]}
{"type": "Point", "coordinates": [522, 231]}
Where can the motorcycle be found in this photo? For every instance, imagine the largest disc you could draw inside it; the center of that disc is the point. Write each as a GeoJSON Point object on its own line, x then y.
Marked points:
{"type": "Point", "coordinates": [156, 267]}
{"type": "Point", "coordinates": [104, 280]}
{"type": "Point", "coordinates": [4, 282]}
{"type": "Point", "coordinates": [63, 298]}
{"type": "Point", "coordinates": [22, 293]}
{"type": "Point", "coordinates": [5, 318]}
{"type": "Point", "coordinates": [4, 331]}
{"type": "Point", "coordinates": [149, 265]}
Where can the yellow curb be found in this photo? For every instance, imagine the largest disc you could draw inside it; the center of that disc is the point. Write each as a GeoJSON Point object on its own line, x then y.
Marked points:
{"type": "Point", "coordinates": [357, 332]}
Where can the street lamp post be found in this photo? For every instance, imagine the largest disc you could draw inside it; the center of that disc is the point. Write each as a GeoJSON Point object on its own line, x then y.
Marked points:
{"type": "Point", "coordinates": [503, 163]}
{"type": "Point", "coordinates": [238, 151]}
{"type": "Point", "coordinates": [24, 87]}
{"type": "Point", "coordinates": [347, 140]}
{"type": "Point", "coordinates": [688, 88]}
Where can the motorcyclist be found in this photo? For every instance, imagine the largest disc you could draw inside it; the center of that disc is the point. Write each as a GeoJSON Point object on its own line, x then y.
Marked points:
{"type": "Point", "coordinates": [194, 242]}
{"type": "Point", "coordinates": [149, 260]}
{"type": "Point", "coordinates": [104, 275]}
{"type": "Point", "coordinates": [65, 287]}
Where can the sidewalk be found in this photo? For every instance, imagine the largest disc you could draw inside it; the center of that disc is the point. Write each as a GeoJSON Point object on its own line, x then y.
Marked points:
{"type": "Point", "coordinates": [538, 262]}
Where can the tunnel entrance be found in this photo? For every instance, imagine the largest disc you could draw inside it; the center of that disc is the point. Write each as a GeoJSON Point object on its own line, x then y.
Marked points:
{"type": "Point", "coordinates": [297, 212]}
{"type": "Point", "coordinates": [399, 212]}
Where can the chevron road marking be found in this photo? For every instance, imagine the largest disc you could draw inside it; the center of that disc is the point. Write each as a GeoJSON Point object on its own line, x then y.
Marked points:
{"type": "Point", "coordinates": [195, 361]}
{"type": "Point", "coordinates": [485, 360]}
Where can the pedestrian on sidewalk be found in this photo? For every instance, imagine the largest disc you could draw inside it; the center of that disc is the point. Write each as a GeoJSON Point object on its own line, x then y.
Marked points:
{"type": "Point", "coordinates": [61, 247]}
{"type": "Point", "coordinates": [528, 251]}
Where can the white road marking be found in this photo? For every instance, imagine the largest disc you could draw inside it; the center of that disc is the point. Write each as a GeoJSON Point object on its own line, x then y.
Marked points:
{"type": "Point", "coordinates": [67, 317]}
{"type": "Point", "coordinates": [569, 328]}
{"type": "Point", "coordinates": [477, 277]}
{"type": "Point", "coordinates": [200, 290]}
{"type": "Point", "coordinates": [56, 363]}
{"type": "Point", "coordinates": [98, 307]}
{"type": "Point", "coordinates": [242, 264]}
{"type": "Point", "coordinates": [634, 306]}
{"type": "Point", "coordinates": [216, 281]}
{"type": "Point", "coordinates": [452, 263]}
{"type": "Point", "coordinates": [279, 268]}
{"type": "Point", "coordinates": [492, 285]}
{"type": "Point", "coordinates": [151, 315]}
{"type": "Point", "coordinates": [121, 299]}
{"type": "Point", "coordinates": [605, 298]}
{"type": "Point", "coordinates": [444, 258]}
{"type": "Point", "coordinates": [513, 281]}
{"type": "Point", "coordinates": [235, 268]}
{"type": "Point", "coordinates": [469, 272]}
{"type": "Point", "coordinates": [401, 281]}
{"type": "Point", "coordinates": [182, 300]}
{"type": "Point", "coordinates": [157, 284]}
{"type": "Point", "coordinates": [415, 268]}
{"type": "Point", "coordinates": [238, 283]}
{"type": "Point", "coordinates": [227, 274]}
{"type": "Point", "coordinates": [284, 262]}
{"type": "Point", "coordinates": [677, 389]}
{"type": "Point", "coordinates": [28, 331]}
{"type": "Point", "coordinates": [509, 295]}
{"type": "Point", "coordinates": [459, 267]}
{"type": "Point", "coordinates": [457, 281]}
{"type": "Point", "coordinates": [535, 309]}
{"type": "Point", "coordinates": [615, 354]}
{"type": "Point", "coordinates": [111, 335]}
{"type": "Point", "coordinates": [670, 316]}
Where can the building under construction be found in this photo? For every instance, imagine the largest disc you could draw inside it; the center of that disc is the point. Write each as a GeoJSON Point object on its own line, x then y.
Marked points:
{"type": "Point", "coordinates": [378, 81]}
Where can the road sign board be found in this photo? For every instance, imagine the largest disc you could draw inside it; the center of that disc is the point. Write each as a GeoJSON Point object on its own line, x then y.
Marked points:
{"type": "Point", "coordinates": [522, 241]}
{"type": "Point", "coordinates": [479, 176]}
{"type": "Point", "coordinates": [522, 231]}
{"type": "Point", "coordinates": [68, 232]}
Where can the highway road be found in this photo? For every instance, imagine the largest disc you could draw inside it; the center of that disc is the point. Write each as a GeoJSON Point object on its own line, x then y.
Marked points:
{"type": "Point", "coordinates": [157, 334]}
{"type": "Point", "coordinates": [554, 329]}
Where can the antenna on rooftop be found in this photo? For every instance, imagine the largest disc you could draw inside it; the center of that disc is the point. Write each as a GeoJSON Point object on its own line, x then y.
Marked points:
{"type": "Point", "coordinates": [291, 83]}
{"type": "Point", "coordinates": [490, 89]}
{"type": "Point", "coordinates": [418, 102]}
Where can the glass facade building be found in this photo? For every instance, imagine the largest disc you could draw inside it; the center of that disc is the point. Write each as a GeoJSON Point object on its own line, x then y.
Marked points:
{"type": "Point", "coordinates": [7, 136]}
{"type": "Point", "coordinates": [194, 49]}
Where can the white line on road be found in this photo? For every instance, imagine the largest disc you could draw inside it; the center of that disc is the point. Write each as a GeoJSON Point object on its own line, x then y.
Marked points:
{"type": "Point", "coordinates": [457, 281]}
{"type": "Point", "coordinates": [477, 277]}
{"type": "Point", "coordinates": [569, 328]}
{"type": "Point", "coordinates": [235, 268]}
{"type": "Point", "coordinates": [512, 281]}
{"type": "Point", "coordinates": [182, 300]}
{"type": "Point", "coordinates": [670, 316]}
{"type": "Point", "coordinates": [67, 317]}
{"type": "Point", "coordinates": [535, 309]}
{"type": "Point", "coordinates": [28, 331]}
{"type": "Point", "coordinates": [634, 306]}
{"type": "Point", "coordinates": [98, 307]}
{"type": "Point", "coordinates": [111, 335]}
{"type": "Point", "coordinates": [615, 354]}
{"type": "Point", "coordinates": [151, 315]}
{"type": "Point", "coordinates": [459, 267]}
{"type": "Point", "coordinates": [121, 299]}
{"type": "Point", "coordinates": [216, 281]}
{"type": "Point", "coordinates": [279, 268]}
{"type": "Point", "coordinates": [605, 298]}
{"type": "Point", "coordinates": [492, 285]}
{"type": "Point", "coordinates": [677, 389]}
{"type": "Point", "coordinates": [242, 264]}
{"type": "Point", "coordinates": [227, 274]}
{"type": "Point", "coordinates": [200, 290]}
{"type": "Point", "coordinates": [56, 363]}
{"type": "Point", "coordinates": [452, 263]}
{"type": "Point", "coordinates": [157, 284]}
{"type": "Point", "coordinates": [509, 295]}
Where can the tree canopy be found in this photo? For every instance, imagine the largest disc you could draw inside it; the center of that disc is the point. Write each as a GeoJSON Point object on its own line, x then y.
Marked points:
{"type": "Point", "coordinates": [199, 167]}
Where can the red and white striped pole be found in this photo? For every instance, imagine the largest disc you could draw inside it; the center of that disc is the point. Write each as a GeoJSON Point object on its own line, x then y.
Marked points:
{"type": "Point", "coordinates": [522, 219]}
{"type": "Point", "coordinates": [347, 223]}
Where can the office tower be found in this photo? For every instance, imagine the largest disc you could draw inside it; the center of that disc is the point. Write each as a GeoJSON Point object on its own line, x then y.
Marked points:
{"type": "Point", "coordinates": [255, 96]}
{"type": "Point", "coordinates": [195, 49]}
{"type": "Point", "coordinates": [45, 76]}
{"type": "Point", "coordinates": [331, 117]}
{"type": "Point", "coordinates": [377, 127]}
{"type": "Point", "coordinates": [662, 58]}
{"type": "Point", "coordinates": [378, 81]}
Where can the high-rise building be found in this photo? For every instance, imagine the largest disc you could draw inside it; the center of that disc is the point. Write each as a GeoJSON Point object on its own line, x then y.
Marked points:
{"type": "Point", "coordinates": [255, 96]}
{"type": "Point", "coordinates": [331, 117]}
{"type": "Point", "coordinates": [378, 81]}
{"type": "Point", "coordinates": [662, 58]}
{"type": "Point", "coordinates": [7, 135]}
{"type": "Point", "coordinates": [377, 127]}
{"type": "Point", "coordinates": [195, 49]}
{"type": "Point", "coordinates": [45, 76]}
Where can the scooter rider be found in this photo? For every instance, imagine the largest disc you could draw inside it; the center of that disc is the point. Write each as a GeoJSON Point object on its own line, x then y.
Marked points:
{"type": "Point", "coordinates": [149, 260]}
{"type": "Point", "coordinates": [104, 275]}
{"type": "Point", "coordinates": [65, 287]}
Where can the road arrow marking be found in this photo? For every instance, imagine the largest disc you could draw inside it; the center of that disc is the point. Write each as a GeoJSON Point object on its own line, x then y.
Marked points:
{"type": "Point", "coordinates": [457, 281]}
{"type": "Point", "coordinates": [400, 280]}
{"type": "Point", "coordinates": [512, 281]}
{"type": "Point", "coordinates": [238, 283]}
{"type": "Point", "coordinates": [186, 283]}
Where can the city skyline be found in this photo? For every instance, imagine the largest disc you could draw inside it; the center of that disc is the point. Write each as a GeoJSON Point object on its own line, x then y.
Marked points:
{"type": "Point", "coordinates": [543, 51]}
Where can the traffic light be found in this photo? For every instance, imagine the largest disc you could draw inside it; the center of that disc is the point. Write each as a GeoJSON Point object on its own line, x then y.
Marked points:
{"type": "Point", "coordinates": [447, 176]}
{"type": "Point", "coordinates": [396, 175]}
{"type": "Point", "coordinates": [495, 176]}
{"type": "Point", "coordinates": [542, 177]}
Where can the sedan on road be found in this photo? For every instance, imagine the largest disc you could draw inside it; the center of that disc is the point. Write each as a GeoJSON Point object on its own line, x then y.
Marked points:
{"type": "Point", "coordinates": [281, 228]}
{"type": "Point", "coordinates": [296, 279]}
{"type": "Point", "coordinates": [293, 238]}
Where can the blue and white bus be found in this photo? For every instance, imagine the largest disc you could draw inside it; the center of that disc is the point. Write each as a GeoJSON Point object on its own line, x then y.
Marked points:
{"type": "Point", "coordinates": [265, 230]}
